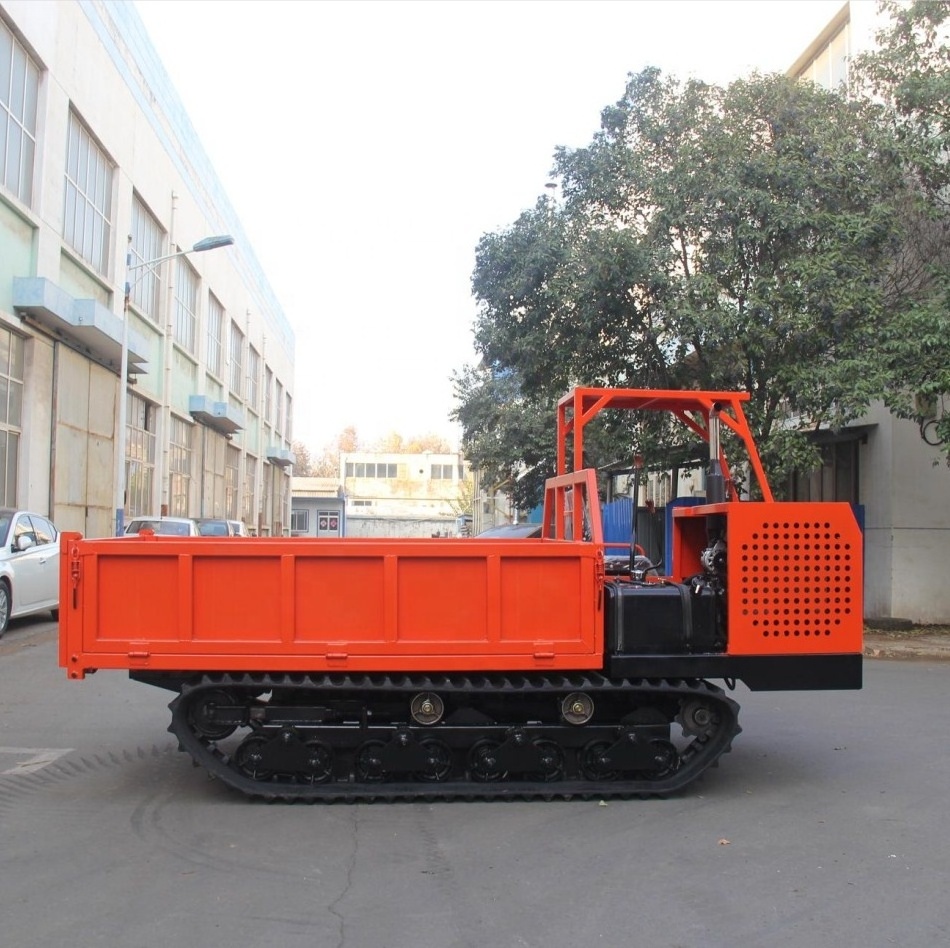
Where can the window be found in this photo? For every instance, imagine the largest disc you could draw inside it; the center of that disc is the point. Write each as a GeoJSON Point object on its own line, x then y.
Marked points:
{"type": "Point", "coordinates": [376, 471]}
{"type": "Point", "coordinates": [11, 406]}
{"type": "Point", "coordinates": [829, 69]}
{"type": "Point", "coordinates": [38, 529]}
{"type": "Point", "coordinates": [237, 361]}
{"type": "Point", "coordinates": [442, 472]}
{"type": "Point", "coordinates": [140, 455]}
{"type": "Point", "coordinates": [249, 514]}
{"type": "Point", "coordinates": [232, 466]}
{"type": "Point", "coordinates": [283, 503]}
{"type": "Point", "coordinates": [362, 503]}
{"type": "Point", "coordinates": [265, 504]}
{"type": "Point", "coordinates": [836, 479]}
{"type": "Point", "coordinates": [253, 378]}
{"type": "Point", "coordinates": [289, 430]}
{"type": "Point", "coordinates": [19, 84]}
{"type": "Point", "coordinates": [268, 384]}
{"type": "Point", "coordinates": [278, 407]}
{"type": "Point", "coordinates": [215, 331]}
{"type": "Point", "coordinates": [43, 530]}
{"type": "Point", "coordinates": [299, 521]}
{"type": "Point", "coordinates": [186, 305]}
{"type": "Point", "coordinates": [88, 218]}
{"type": "Point", "coordinates": [179, 467]}
{"type": "Point", "coordinates": [147, 244]}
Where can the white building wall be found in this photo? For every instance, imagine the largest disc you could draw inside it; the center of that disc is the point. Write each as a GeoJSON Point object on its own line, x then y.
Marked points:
{"type": "Point", "coordinates": [410, 502]}
{"type": "Point", "coordinates": [95, 58]}
{"type": "Point", "coordinates": [904, 484]}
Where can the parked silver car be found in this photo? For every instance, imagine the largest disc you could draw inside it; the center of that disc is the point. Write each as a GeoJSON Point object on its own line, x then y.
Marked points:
{"type": "Point", "coordinates": [29, 565]}
{"type": "Point", "coordinates": [217, 527]}
{"type": "Point", "coordinates": [163, 526]}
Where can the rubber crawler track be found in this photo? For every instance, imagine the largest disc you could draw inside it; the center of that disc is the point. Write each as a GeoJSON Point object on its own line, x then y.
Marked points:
{"type": "Point", "coordinates": [703, 752]}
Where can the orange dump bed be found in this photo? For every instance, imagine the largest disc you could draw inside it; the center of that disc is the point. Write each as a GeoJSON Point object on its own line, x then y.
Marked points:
{"type": "Point", "coordinates": [311, 605]}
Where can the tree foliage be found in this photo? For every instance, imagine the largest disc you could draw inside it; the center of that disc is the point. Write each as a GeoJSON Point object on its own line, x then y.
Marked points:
{"type": "Point", "coordinates": [303, 460]}
{"type": "Point", "coordinates": [767, 236]}
{"type": "Point", "coordinates": [708, 237]}
{"type": "Point", "coordinates": [909, 70]}
{"type": "Point", "coordinates": [414, 444]}
{"type": "Point", "coordinates": [496, 418]}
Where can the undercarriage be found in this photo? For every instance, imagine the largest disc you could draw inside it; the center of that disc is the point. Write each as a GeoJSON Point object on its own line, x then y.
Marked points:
{"type": "Point", "coordinates": [383, 737]}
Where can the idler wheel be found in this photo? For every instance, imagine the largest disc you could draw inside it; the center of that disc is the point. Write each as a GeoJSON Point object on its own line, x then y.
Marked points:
{"type": "Point", "coordinates": [666, 757]}
{"type": "Point", "coordinates": [201, 711]}
{"type": "Point", "coordinates": [249, 757]}
{"type": "Point", "coordinates": [594, 765]}
{"type": "Point", "coordinates": [483, 762]}
{"type": "Point", "coordinates": [438, 761]}
{"type": "Point", "coordinates": [318, 767]}
{"type": "Point", "coordinates": [369, 762]}
{"type": "Point", "coordinates": [552, 761]}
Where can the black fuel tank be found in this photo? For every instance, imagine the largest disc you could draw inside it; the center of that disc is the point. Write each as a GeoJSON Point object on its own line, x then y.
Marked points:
{"type": "Point", "coordinates": [662, 619]}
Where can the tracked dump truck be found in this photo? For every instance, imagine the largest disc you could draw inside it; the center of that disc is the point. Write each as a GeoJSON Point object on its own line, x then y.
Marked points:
{"type": "Point", "coordinates": [360, 669]}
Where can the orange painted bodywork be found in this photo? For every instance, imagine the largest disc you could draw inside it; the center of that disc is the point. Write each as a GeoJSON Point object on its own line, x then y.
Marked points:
{"type": "Point", "coordinates": [793, 581]}
{"type": "Point", "coordinates": [794, 575]}
{"type": "Point", "coordinates": [692, 408]}
{"type": "Point", "coordinates": [311, 605]}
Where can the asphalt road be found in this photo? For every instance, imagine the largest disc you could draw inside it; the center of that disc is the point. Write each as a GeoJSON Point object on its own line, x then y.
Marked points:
{"type": "Point", "coordinates": [826, 825]}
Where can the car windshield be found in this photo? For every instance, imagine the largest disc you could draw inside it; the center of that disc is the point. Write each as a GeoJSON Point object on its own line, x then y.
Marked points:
{"type": "Point", "coordinates": [213, 528]}
{"type": "Point", "coordinates": [512, 531]}
{"type": "Point", "coordinates": [165, 527]}
{"type": "Point", "coordinates": [6, 518]}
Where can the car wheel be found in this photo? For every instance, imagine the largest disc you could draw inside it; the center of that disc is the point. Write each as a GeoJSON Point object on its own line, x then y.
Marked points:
{"type": "Point", "coordinates": [4, 607]}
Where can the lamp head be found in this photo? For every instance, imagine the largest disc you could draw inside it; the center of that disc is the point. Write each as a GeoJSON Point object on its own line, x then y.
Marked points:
{"type": "Point", "coordinates": [212, 243]}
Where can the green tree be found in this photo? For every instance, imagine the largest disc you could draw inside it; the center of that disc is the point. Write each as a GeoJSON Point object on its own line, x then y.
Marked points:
{"type": "Point", "coordinates": [303, 465]}
{"type": "Point", "coordinates": [708, 237]}
{"type": "Point", "coordinates": [396, 443]}
{"type": "Point", "coordinates": [508, 439]}
{"type": "Point", "coordinates": [909, 70]}
{"type": "Point", "coordinates": [328, 463]}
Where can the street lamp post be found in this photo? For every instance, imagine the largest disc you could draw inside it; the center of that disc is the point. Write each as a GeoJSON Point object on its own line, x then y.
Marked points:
{"type": "Point", "coordinates": [207, 243]}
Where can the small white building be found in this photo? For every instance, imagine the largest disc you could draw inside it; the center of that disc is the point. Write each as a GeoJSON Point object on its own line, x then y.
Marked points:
{"type": "Point", "coordinates": [317, 507]}
{"type": "Point", "coordinates": [393, 494]}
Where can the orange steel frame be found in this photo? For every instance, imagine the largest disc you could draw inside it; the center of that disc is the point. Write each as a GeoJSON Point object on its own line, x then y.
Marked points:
{"type": "Point", "coordinates": [571, 508]}
{"type": "Point", "coordinates": [579, 407]}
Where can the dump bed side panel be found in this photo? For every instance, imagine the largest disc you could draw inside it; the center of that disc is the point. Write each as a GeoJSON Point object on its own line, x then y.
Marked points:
{"type": "Point", "coordinates": [307, 605]}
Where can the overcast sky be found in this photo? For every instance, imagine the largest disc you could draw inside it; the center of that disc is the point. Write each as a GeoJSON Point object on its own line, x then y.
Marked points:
{"type": "Point", "coordinates": [367, 145]}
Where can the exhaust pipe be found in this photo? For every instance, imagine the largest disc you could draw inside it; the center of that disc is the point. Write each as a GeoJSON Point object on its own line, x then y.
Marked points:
{"type": "Point", "coordinates": [715, 480]}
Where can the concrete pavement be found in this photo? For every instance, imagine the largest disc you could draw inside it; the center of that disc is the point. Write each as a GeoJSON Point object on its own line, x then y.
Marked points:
{"type": "Point", "coordinates": [930, 643]}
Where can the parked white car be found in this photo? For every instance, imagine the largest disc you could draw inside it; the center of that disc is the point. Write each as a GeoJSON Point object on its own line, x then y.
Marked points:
{"type": "Point", "coordinates": [29, 566]}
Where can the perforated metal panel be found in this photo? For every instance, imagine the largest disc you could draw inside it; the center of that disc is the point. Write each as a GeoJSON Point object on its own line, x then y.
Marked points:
{"type": "Point", "coordinates": [795, 581]}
